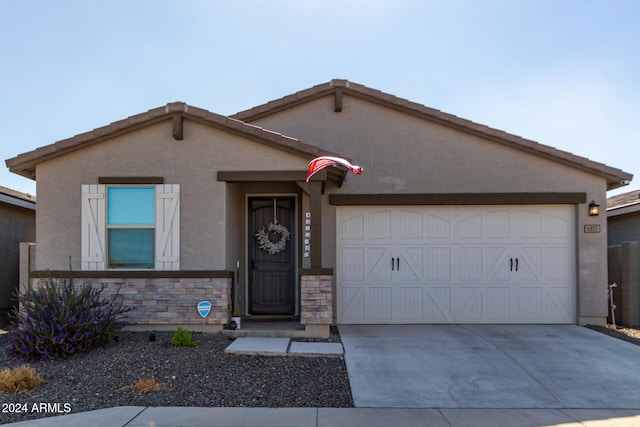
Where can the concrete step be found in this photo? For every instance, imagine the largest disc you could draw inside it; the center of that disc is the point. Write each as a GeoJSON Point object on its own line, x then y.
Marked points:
{"type": "Point", "coordinates": [267, 329]}
{"type": "Point", "coordinates": [283, 347]}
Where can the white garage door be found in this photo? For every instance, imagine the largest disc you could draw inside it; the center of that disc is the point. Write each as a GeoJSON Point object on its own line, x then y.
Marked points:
{"type": "Point", "coordinates": [513, 264]}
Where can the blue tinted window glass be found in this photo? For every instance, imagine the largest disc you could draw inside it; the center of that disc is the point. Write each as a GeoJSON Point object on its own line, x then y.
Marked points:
{"type": "Point", "coordinates": [131, 248]}
{"type": "Point", "coordinates": [131, 206]}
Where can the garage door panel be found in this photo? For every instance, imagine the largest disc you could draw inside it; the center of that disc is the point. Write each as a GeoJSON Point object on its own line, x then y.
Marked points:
{"type": "Point", "coordinates": [468, 226]}
{"type": "Point", "coordinates": [467, 304]}
{"type": "Point", "coordinates": [469, 264]}
{"type": "Point", "coordinates": [408, 225]}
{"type": "Point", "coordinates": [352, 264]}
{"type": "Point", "coordinates": [528, 265]}
{"type": "Point", "coordinates": [497, 263]}
{"type": "Point", "coordinates": [555, 260]}
{"type": "Point", "coordinates": [496, 225]}
{"type": "Point", "coordinates": [437, 305]}
{"type": "Point", "coordinates": [378, 267]}
{"type": "Point", "coordinates": [437, 264]}
{"type": "Point", "coordinates": [410, 264]}
{"type": "Point", "coordinates": [527, 225]}
{"type": "Point", "coordinates": [379, 302]}
{"type": "Point", "coordinates": [410, 307]}
{"type": "Point", "coordinates": [555, 307]}
{"type": "Point", "coordinates": [556, 226]}
{"type": "Point", "coordinates": [378, 225]}
{"type": "Point", "coordinates": [351, 305]}
{"type": "Point", "coordinates": [463, 265]}
{"type": "Point", "coordinates": [352, 227]}
{"type": "Point", "coordinates": [496, 304]}
{"type": "Point", "coordinates": [438, 225]}
{"type": "Point", "coordinates": [530, 304]}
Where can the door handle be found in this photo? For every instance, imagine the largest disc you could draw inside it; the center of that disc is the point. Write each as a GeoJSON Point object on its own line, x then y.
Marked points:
{"type": "Point", "coordinates": [398, 263]}
{"type": "Point", "coordinates": [510, 264]}
{"type": "Point", "coordinates": [516, 264]}
{"type": "Point", "coordinates": [393, 265]}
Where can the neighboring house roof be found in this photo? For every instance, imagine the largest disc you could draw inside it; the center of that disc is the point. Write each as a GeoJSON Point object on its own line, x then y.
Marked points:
{"type": "Point", "coordinates": [24, 164]}
{"type": "Point", "coordinates": [615, 177]}
{"type": "Point", "coordinates": [17, 198]}
{"type": "Point", "coordinates": [623, 203]}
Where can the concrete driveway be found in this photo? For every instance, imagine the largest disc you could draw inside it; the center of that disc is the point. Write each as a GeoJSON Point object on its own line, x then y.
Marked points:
{"type": "Point", "coordinates": [490, 366]}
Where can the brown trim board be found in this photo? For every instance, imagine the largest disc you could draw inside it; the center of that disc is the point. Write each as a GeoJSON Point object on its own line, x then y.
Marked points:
{"type": "Point", "coordinates": [132, 274]}
{"type": "Point", "coordinates": [457, 199]}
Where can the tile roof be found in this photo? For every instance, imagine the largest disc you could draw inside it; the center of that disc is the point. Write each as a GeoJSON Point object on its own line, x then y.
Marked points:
{"type": "Point", "coordinates": [615, 177]}
{"type": "Point", "coordinates": [17, 198]}
{"type": "Point", "coordinates": [623, 203]}
{"type": "Point", "coordinates": [24, 164]}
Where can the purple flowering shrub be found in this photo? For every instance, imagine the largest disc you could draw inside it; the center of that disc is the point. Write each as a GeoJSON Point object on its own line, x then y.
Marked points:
{"type": "Point", "coordinates": [60, 319]}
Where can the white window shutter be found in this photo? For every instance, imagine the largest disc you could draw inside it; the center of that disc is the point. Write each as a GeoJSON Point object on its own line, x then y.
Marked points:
{"type": "Point", "coordinates": [168, 227]}
{"type": "Point", "coordinates": [93, 227]}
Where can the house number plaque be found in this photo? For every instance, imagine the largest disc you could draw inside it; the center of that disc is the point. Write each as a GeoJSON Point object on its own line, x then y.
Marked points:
{"type": "Point", "coordinates": [592, 228]}
{"type": "Point", "coordinates": [307, 234]}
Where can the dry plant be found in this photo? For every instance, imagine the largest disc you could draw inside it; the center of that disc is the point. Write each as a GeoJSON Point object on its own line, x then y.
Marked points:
{"type": "Point", "coordinates": [22, 378]}
{"type": "Point", "coordinates": [145, 385]}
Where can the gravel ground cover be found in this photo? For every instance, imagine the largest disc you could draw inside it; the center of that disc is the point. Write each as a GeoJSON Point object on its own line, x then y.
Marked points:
{"type": "Point", "coordinates": [192, 376]}
{"type": "Point", "coordinates": [628, 334]}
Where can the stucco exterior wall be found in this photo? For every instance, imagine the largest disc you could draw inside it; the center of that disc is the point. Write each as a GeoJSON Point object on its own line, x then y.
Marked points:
{"type": "Point", "coordinates": [624, 228]}
{"type": "Point", "coordinates": [193, 163]}
{"type": "Point", "coordinates": [16, 225]}
{"type": "Point", "coordinates": [401, 153]}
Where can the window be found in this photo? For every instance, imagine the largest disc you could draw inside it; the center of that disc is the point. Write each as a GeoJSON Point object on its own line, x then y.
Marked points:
{"type": "Point", "coordinates": [130, 226]}
{"type": "Point", "coordinates": [133, 226]}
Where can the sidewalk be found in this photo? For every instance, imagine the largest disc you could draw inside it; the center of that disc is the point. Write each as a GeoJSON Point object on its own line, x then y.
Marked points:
{"type": "Point", "coordinates": [136, 416]}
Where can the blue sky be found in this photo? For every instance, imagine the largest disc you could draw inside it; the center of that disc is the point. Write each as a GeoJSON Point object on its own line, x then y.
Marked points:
{"type": "Point", "coordinates": [564, 73]}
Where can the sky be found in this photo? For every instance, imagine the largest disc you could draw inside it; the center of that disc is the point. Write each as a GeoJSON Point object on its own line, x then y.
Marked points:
{"type": "Point", "coordinates": [564, 73]}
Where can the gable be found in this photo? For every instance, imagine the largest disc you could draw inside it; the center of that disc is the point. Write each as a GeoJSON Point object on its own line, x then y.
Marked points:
{"type": "Point", "coordinates": [293, 115]}
{"type": "Point", "coordinates": [173, 117]}
{"type": "Point", "coordinates": [404, 153]}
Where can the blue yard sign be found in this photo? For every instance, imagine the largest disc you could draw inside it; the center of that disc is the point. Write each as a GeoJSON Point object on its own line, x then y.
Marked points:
{"type": "Point", "coordinates": [204, 307]}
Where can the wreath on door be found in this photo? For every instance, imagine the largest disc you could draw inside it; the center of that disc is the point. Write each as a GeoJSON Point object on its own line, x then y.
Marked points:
{"type": "Point", "coordinates": [270, 246]}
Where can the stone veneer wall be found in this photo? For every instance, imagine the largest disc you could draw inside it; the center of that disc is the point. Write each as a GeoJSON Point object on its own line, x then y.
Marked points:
{"type": "Point", "coordinates": [168, 301]}
{"type": "Point", "coordinates": [316, 300]}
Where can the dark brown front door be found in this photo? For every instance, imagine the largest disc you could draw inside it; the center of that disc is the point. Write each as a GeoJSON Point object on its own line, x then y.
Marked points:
{"type": "Point", "coordinates": [272, 255]}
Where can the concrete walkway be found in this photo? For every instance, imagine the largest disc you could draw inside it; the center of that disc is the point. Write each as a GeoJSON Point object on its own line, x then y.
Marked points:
{"type": "Point", "coordinates": [134, 416]}
{"type": "Point", "coordinates": [284, 347]}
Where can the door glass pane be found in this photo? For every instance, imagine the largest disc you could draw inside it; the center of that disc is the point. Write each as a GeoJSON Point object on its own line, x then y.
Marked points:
{"type": "Point", "coordinates": [131, 248]}
{"type": "Point", "coordinates": [131, 206]}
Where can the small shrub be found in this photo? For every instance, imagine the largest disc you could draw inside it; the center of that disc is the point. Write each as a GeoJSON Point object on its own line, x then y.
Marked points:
{"type": "Point", "coordinates": [22, 378]}
{"type": "Point", "coordinates": [58, 319]}
{"type": "Point", "coordinates": [182, 338]}
{"type": "Point", "coordinates": [146, 385]}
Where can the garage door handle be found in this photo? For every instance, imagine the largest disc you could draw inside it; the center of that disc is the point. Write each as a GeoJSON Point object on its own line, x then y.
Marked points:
{"type": "Point", "coordinates": [516, 264]}
{"type": "Point", "coordinates": [398, 264]}
{"type": "Point", "coordinates": [395, 264]}
{"type": "Point", "coordinates": [510, 264]}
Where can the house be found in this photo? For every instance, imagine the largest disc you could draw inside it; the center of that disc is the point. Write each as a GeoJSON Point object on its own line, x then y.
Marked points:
{"type": "Point", "coordinates": [451, 221]}
{"type": "Point", "coordinates": [17, 224]}
{"type": "Point", "coordinates": [623, 218]}
{"type": "Point", "coordinates": [623, 224]}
